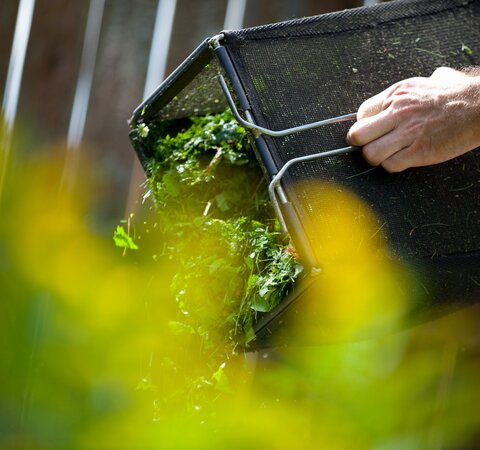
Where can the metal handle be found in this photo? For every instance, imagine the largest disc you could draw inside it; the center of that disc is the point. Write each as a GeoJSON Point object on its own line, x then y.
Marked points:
{"type": "Point", "coordinates": [275, 187]}
{"type": "Point", "coordinates": [261, 130]}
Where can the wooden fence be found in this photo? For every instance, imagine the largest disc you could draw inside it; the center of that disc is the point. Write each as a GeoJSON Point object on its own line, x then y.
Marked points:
{"type": "Point", "coordinates": [73, 71]}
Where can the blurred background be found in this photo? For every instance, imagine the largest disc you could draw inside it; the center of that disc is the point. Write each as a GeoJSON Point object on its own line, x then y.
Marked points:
{"type": "Point", "coordinates": [79, 68]}
{"type": "Point", "coordinates": [87, 359]}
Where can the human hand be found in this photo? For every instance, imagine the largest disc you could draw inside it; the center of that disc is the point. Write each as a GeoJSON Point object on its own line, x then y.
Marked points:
{"type": "Point", "coordinates": [420, 121]}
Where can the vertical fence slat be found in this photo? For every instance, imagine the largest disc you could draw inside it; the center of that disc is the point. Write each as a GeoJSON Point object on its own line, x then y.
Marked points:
{"type": "Point", "coordinates": [82, 91]}
{"type": "Point", "coordinates": [17, 60]}
{"type": "Point", "coordinates": [162, 33]}
{"type": "Point", "coordinates": [85, 77]}
{"type": "Point", "coordinates": [157, 64]}
{"type": "Point", "coordinates": [235, 14]}
{"type": "Point", "coordinates": [14, 79]}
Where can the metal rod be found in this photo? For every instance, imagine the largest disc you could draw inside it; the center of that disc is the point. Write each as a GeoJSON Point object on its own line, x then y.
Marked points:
{"type": "Point", "coordinates": [275, 183]}
{"type": "Point", "coordinates": [14, 80]}
{"type": "Point", "coordinates": [274, 186]}
{"type": "Point", "coordinates": [278, 133]}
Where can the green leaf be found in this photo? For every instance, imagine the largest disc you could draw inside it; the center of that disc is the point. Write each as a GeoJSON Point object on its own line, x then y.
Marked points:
{"type": "Point", "coordinates": [266, 288]}
{"type": "Point", "coordinates": [216, 229]}
{"type": "Point", "coordinates": [123, 240]}
{"type": "Point", "coordinates": [171, 184]}
{"type": "Point", "coordinates": [221, 379]}
{"type": "Point", "coordinates": [249, 334]}
{"type": "Point", "coordinates": [215, 265]}
{"type": "Point", "coordinates": [180, 327]}
{"type": "Point", "coordinates": [249, 261]}
{"type": "Point", "coordinates": [251, 283]}
{"type": "Point", "coordinates": [222, 202]}
{"type": "Point", "coordinates": [259, 304]}
{"type": "Point", "coordinates": [467, 50]}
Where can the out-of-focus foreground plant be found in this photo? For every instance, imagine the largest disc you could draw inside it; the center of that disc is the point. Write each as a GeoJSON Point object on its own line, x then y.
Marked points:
{"type": "Point", "coordinates": [86, 353]}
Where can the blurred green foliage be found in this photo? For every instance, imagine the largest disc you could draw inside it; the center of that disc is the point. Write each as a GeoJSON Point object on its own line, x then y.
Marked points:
{"type": "Point", "coordinates": [219, 230]}
{"type": "Point", "coordinates": [91, 357]}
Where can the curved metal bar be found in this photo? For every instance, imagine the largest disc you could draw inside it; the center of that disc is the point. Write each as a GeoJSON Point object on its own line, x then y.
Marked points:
{"type": "Point", "coordinates": [278, 133]}
{"type": "Point", "coordinates": [275, 183]}
{"type": "Point", "coordinates": [274, 187]}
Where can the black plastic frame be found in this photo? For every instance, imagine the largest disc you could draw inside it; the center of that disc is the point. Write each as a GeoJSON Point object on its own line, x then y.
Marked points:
{"type": "Point", "coordinates": [218, 48]}
{"type": "Point", "coordinates": [173, 84]}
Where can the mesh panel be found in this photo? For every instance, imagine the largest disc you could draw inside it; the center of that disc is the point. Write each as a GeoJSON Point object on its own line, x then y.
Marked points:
{"type": "Point", "coordinates": [202, 96]}
{"type": "Point", "coordinates": [321, 67]}
{"type": "Point", "coordinates": [301, 322]}
{"type": "Point", "coordinates": [307, 70]}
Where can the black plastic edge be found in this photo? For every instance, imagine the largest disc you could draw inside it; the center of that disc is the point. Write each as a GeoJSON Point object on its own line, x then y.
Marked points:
{"type": "Point", "coordinates": [298, 288]}
{"type": "Point", "coordinates": [227, 64]}
{"type": "Point", "coordinates": [302, 244]}
{"type": "Point", "coordinates": [265, 156]}
{"type": "Point", "coordinates": [174, 83]}
{"type": "Point", "coordinates": [376, 13]}
{"type": "Point", "coordinates": [291, 218]}
{"type": "Point", "coordinates": [262, 148]}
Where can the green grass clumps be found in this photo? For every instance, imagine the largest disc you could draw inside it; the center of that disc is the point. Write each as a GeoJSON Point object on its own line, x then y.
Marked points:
{"type": "Point", "coordinates": [217, 227]}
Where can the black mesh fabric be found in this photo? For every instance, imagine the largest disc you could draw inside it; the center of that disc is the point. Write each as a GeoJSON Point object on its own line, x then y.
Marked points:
{"type": "Point", "coordinates": [320, 67]}
{"type": "Point", "coordinates": [202, 96]}
{"type": "Point", "coordinates": [311, 69]}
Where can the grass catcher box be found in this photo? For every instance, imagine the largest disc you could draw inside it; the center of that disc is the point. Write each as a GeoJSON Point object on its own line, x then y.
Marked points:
{"type": "Point", "coordinates": [295, 85]}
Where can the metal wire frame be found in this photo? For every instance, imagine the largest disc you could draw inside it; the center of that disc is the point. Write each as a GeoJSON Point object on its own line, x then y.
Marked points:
{"type": "Point", "coordinates": [275, 189]}
{"type": "Point", "coordinates": [276, 133]}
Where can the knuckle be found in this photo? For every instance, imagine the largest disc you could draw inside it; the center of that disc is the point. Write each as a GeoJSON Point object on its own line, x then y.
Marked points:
{"type": "Point", "coordinates": [402, 85]}
{"type": "Point", "coordinates": [353, 137]}
{"type": "Point", "coordinates": [399, 161]}
{"type": "Point", "coordinates": [371, 155]}
{"type": "Point", "coordinates": [390, 166]}
{"type": "Point", "coordinates": [445, 73]}
{"type": "Point", "coordinates": [400, 111]}
{"type": "Point", "coordinates": [393, 165]}
{"type": "Point", "coordinates": [406, 84]}
{"type": "Point", "coordinates": [363, 110]}
{"type": "Point", "coordinates": [442, 70]}
{"type": "Point", "coordinates": [402, 107]}
{"type": "Point", "coordinates": [370, 107]}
